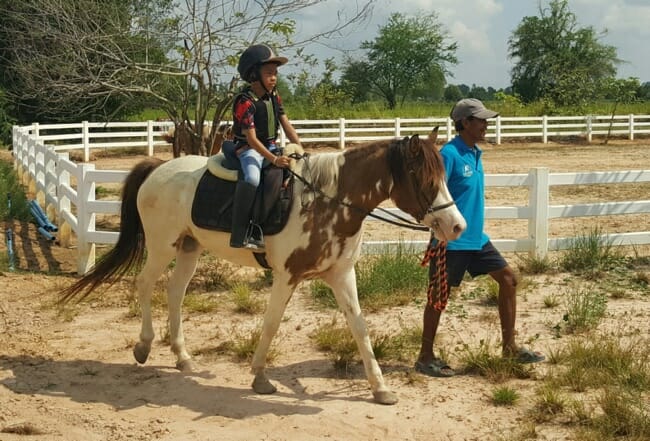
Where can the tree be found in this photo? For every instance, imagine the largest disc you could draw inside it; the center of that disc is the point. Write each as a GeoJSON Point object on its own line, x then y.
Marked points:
{"type": "Point", "coordinates": [76, 57]}
{"type": "Point", "coordinates": [620, 91]}
{"type": "Point", "coordinates": [556, 60]}
{"type": "Point", "coordinates": [644, 91]}
{"type": "Point", "coordinates": [430, 87]}
{"type": "Point", "coordinates": [452, 93]}
{"type": "Point", "coordinates": [406, 50]}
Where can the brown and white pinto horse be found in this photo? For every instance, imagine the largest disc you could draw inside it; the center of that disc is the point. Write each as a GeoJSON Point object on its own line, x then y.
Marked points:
{"type": "Point", "coordinates": [322, 238]}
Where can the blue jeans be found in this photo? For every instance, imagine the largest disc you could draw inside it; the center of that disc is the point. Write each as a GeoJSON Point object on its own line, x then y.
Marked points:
{"type": "Point", "coordinates": [252, 163]}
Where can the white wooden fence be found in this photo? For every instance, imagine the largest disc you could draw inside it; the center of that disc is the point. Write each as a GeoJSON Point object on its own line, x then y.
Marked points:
{"type": "Point", "coordinates": [67, 189]}
{"type": "Point", "coordinates": [147, 135]}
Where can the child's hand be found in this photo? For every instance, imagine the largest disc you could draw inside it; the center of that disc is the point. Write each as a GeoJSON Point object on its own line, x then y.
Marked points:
{"type": "Point", "coordinates": [282, 161]}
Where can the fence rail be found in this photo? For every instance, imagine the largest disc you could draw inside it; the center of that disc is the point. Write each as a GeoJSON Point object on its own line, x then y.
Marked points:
{"type": "Point", "coordinates": [67, 189]}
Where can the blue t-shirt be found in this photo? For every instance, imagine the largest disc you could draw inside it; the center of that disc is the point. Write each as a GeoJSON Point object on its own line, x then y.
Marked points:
{"type": "Point", "coordinates": [466, 182]}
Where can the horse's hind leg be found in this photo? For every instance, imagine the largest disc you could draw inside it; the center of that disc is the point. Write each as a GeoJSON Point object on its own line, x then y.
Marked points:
{"type": "Point", "coordinates": [157, 261]}
{"type": "Point", "coordinates": [344, 285]}
{"type": "Point", "coordinates": [187, 257]}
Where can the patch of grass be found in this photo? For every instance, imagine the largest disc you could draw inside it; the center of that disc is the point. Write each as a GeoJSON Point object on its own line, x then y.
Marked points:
{"type": "Point", "coordinates": [243, 346]}
{"type": "Point", "coordinates": [481, 360]}
{"type": "Point", "coordinates": [337, 341]}
{"type": "Point", "coordinates": [490, 292]}
{"type": "Point", "coordinates": [624, 415]}
{"type": "Point", "coordinates": [322, 294]}
{"type": "Point", "coordinates": [585, 307]}
{"type": "Point", "coordinates": [548, 404]}
{"type": "Point", "coordinates": [103, 192]}
{"type": "Point", "coordinates": [611, 372]}
{"type": "Point", "coordinates": [199, 303]}
{"type": "Point", "coordinates": [604, 360]}
{"type": "Point", "coordinates": [383, 281]}
{"type": "Point", "coordinates": [244, 300]}
{"type": "Point", "coordinates": [400, 347]}
{"type": "Point", "coordinates": [504, 396]}
{"type": "Point", "coordinates": [534, 265]}
{"type": "Point", "coordinates": [527, 431]}
{"type": "Point", "coordinates": [589, 253]}
{"type": "Point", "coordinates": [551, 300]}
{"type": "Point", "coordinates": [264, 280]}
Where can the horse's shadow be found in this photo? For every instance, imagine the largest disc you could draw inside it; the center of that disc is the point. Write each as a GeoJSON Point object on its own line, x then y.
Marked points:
{"type": "Point", "coordinates": [356, 384]}
{"type": "Point", "coordinates": [128, 386]}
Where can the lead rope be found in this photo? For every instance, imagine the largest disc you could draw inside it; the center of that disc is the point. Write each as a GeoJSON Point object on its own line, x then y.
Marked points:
{"type": "Point", "coordinates": [438, 289]}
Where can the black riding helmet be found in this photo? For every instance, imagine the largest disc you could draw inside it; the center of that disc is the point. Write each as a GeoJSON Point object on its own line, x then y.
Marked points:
{"type": "Point", "coordinates": [253, 58]}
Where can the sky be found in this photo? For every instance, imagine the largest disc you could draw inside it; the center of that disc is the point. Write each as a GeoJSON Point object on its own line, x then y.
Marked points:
{"type": "Point", "coordinates": [482, 29]}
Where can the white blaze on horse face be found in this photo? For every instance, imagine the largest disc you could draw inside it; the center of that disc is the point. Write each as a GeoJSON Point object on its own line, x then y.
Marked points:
{"type": "Point", "coordinates": [447, 224]}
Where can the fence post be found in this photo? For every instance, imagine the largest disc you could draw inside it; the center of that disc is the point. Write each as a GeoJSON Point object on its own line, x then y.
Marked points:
{"type": "Point", "coordinates": [589, 128]}
{"type": "Point", "coordinates": [397, 128]}
{"type": "Point", "coordinates": [498, 130]}
{"type": "Point", "coordinates": [149, 138]}
{"type": "Point", "coordinates": [631, 125]}
{"type": "Point", "coordinates": [50, 184]}
{"type": "Point", "coordinates": [30, 176]}
{"type": "Point", "coordinates": [85, 140]}
{"type": "Point", "coordinates": [85, 220]}
{"type": "Point", "coordinates": [341, 133]}
{"type": "Point", "coordinates": [39, 173]}
{"type": "Point", "coordinates": [449, 127]}
{"type": "Point", "coordinates": [538, 203]}
{"type": "Point", "coordinates": [63, 179]}
{"type": "Point", "coordinates": [545, 129]}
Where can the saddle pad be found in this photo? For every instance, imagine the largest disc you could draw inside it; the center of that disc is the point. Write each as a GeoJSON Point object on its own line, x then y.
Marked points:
{"type": "Point", "coordinates": [212, 205]}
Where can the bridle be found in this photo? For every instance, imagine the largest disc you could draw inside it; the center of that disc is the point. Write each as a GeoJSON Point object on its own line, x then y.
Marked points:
{"type": "Point", "coordinates": [400, 220]}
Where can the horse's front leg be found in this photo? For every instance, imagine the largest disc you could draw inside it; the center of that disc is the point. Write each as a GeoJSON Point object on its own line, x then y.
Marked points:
{"type": "Point", "coordinates": [344, 285]}
{"type": "Point", "coordinates": [280, 294]}
{"type": "Point", "coordinates": [186, 260]}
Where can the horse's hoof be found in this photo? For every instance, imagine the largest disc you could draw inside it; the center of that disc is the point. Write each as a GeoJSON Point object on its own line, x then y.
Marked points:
{"type": "Point", "coordinates": [385, 397]}
{"type": "Point", "coordinates": [141, 353]}
{"type": "Point", "coordinates": [185, 365]}
{"type": "Point", "coordinates": [263, 386]}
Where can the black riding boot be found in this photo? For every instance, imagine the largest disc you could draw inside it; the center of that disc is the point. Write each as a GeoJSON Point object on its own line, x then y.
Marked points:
{"type": "Point", "coordinates": [241, 221]}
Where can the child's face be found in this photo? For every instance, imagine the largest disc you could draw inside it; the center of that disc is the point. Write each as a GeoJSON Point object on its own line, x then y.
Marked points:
{"type": "Point", "coordinates": [269, 75]}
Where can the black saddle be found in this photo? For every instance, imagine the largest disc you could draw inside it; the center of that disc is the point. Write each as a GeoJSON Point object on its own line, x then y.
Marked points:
{"type": "Point", "coordinates": [213, 200]}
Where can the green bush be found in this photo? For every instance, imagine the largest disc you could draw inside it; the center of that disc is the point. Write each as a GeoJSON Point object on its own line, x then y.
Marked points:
{"type": "Point", "coordinates": [10, 187]}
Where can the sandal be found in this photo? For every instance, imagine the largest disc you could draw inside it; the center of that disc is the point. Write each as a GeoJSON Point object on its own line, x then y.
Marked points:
{"type": "Point", "coordinates": [526, 356]}
{"type": "Point", "coordinates": [437, 368]}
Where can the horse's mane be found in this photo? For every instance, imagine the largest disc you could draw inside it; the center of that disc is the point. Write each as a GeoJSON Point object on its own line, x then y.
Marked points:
{"type": "Point", "coordinates": [322, 170]}
{"type": "Point", "coordinates": [427, 161]}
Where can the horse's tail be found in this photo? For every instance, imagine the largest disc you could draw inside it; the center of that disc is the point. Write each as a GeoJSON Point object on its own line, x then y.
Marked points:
{"type": "Point", "coordinates": [128, 252]}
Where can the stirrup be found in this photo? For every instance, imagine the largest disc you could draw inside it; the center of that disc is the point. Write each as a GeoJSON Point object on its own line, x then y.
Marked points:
{"type": "Point", "coordinates": [251, 242]}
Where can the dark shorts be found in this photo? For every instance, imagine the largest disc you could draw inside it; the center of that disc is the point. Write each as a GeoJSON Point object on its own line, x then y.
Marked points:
{"type": "Point", "coordinates": [476, 263]}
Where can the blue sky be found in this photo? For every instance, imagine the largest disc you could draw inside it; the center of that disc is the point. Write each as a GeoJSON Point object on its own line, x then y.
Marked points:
{"type": "Point", "coordinates": [482, 28]}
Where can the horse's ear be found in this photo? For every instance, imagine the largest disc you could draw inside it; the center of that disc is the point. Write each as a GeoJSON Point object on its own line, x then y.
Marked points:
{"type": "Point", "coordinates": [414, 146]}
{"type": "Point", "coordinates": [433, 136]}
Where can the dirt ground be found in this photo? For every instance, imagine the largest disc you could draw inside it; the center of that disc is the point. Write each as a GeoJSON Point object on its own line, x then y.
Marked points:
{"type": "Point", "coordinates": [71, 375]}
